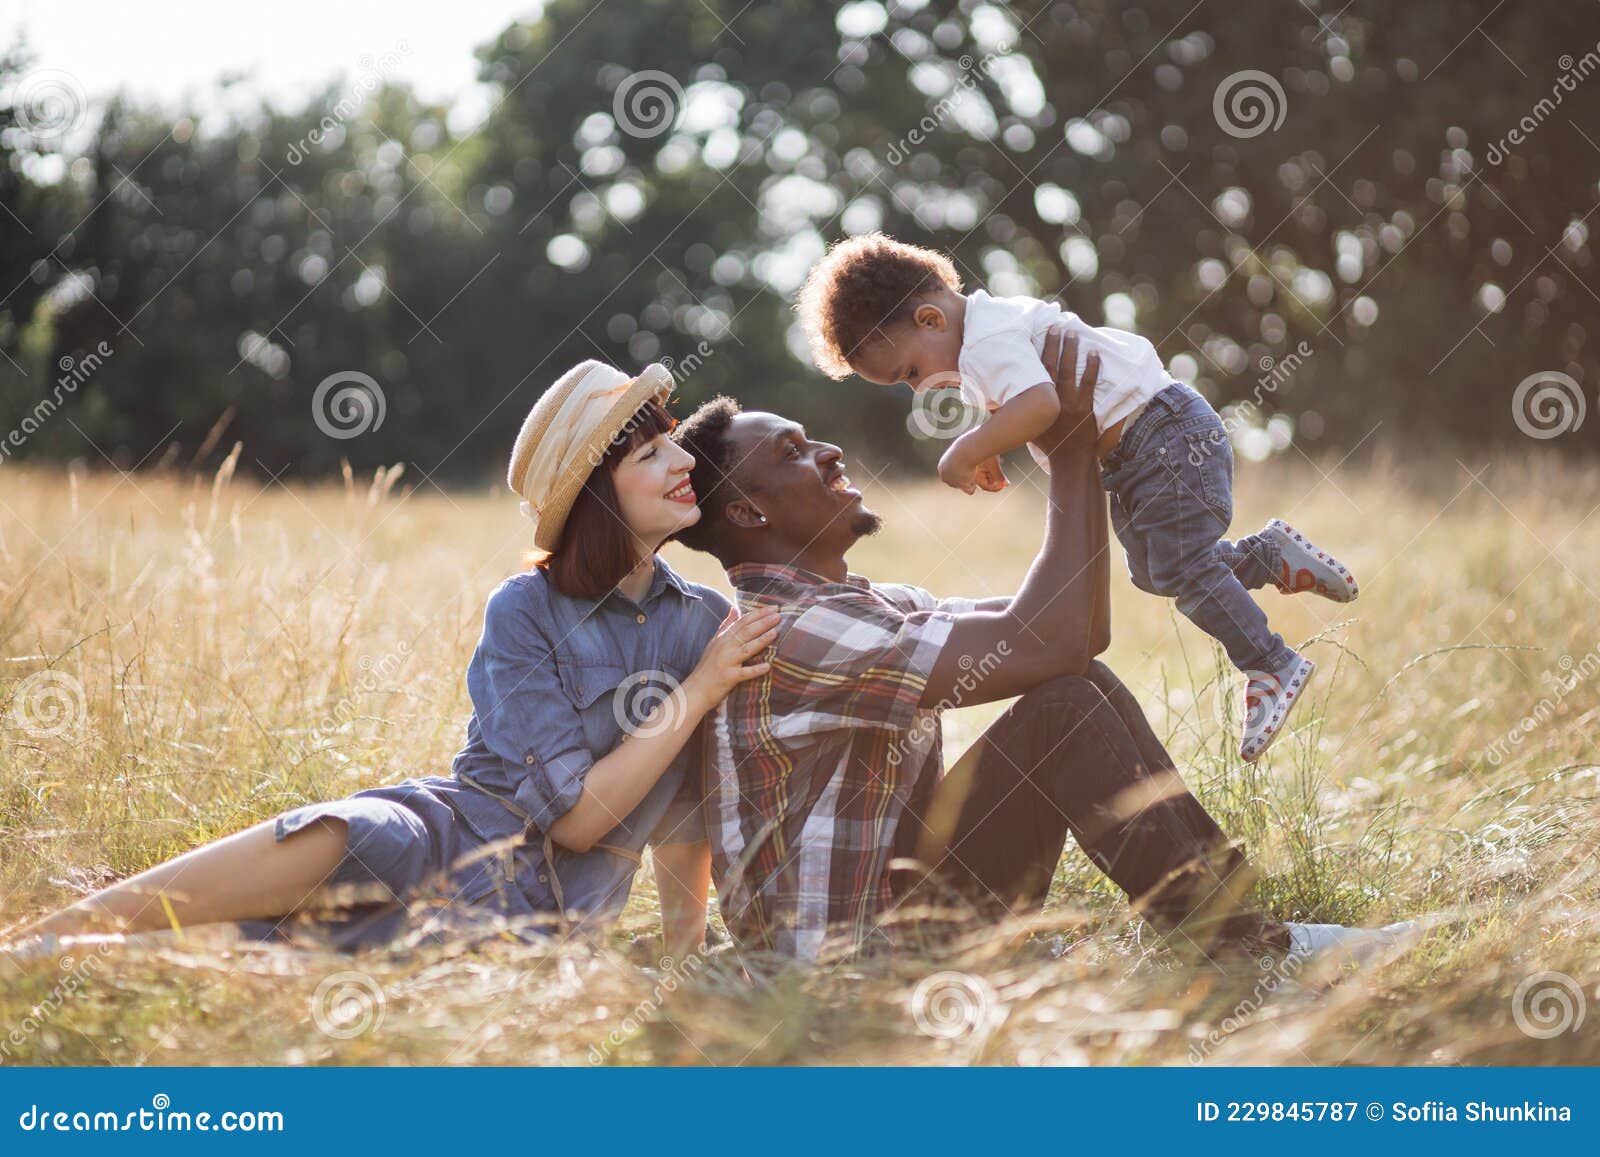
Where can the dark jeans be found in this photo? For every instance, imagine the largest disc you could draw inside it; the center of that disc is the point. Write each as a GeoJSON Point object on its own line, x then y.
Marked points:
{"type": "Point", "coordinates": [1171, 486]}
{"type": "Point", "coordinates": [1077, 755]}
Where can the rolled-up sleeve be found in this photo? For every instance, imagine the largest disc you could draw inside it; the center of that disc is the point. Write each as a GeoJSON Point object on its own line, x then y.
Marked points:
{"type": "Point", "coordinates": [913, 598]}
{"type": "Point", "coordinates": [526, 717]}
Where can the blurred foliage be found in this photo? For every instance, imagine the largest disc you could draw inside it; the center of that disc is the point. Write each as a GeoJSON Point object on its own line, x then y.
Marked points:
{"type": "Point", "coordinates": [1384, 258]}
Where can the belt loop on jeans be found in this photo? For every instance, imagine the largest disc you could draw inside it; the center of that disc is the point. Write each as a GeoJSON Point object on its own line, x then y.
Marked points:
{"type": "Point", "coordinates": [1170, 396]}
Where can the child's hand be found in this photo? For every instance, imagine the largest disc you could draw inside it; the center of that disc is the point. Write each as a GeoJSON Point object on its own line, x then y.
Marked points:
{"type": "Point", "coordinates": [990, 476]}
{"type": "Point", "coordinates": [955, 470]}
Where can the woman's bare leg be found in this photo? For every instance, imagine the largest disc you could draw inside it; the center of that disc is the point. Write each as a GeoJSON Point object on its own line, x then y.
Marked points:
{"type": "Point", "coordinates": [245, 876]}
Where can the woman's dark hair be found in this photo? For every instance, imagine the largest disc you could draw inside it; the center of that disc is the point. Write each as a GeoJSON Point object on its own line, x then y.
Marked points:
{"type": "Point", "coordinates": [597, 549]}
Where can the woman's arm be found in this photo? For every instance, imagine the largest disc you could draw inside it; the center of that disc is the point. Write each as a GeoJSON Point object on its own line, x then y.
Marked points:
{"type": "Point", "coordinates": [683, 880]}
{"type": "Point", "coordinates": [614, 786]}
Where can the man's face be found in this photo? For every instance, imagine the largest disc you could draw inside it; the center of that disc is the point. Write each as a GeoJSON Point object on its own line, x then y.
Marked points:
{"type": "Point", "coordinates": [798, 485]}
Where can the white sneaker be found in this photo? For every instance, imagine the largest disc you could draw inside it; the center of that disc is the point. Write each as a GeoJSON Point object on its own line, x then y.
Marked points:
{"type": "Point", "coordinates": [1340, 944]}
{"type": "Point", "coordinates": [1268, 699]}
{"type": "Point", "coordinates": [1303, 566]}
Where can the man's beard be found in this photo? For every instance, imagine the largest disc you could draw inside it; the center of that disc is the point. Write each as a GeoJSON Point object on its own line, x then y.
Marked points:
{"type": "Point", "coordinates": [867, 522]}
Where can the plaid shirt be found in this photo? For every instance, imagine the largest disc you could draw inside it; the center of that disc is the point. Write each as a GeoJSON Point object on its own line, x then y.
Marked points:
{"type": "Point", "coordinates": [810, 768]}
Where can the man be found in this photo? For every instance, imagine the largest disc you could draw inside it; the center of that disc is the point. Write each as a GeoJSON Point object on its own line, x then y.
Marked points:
{"type": "Point", "coordinates": [826, 772]}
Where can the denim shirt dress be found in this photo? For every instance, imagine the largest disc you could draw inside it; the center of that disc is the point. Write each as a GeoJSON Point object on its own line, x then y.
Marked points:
{"type": "Point", "coordinates": [553, 681]}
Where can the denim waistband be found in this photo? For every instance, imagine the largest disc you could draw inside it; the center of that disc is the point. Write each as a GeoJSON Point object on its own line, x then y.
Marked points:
{"type": "Point", "coordinates": [1157, 410]}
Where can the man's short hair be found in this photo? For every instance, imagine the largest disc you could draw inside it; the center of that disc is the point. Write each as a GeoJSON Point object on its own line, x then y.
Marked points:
{"type": "Point", "coordinates": [704, 434]}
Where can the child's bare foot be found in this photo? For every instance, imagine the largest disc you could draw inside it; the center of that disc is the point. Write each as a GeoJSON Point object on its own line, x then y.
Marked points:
{"type": "Point", "coordinates": [1302, 566]}
{"type": "Point", "coordinates": [1268, 698]}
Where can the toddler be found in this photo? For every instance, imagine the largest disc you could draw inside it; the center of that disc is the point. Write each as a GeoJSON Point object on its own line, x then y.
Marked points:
{"type": "Point", "coordinates": [892, 312]}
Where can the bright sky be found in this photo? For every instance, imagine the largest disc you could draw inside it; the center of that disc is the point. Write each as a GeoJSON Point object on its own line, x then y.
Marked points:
{"type": "Point", "coordinates": [166, 49]}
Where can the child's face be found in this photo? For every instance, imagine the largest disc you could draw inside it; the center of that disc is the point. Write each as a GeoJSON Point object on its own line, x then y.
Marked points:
{"type": "Point", "coordinates": [923, 352]}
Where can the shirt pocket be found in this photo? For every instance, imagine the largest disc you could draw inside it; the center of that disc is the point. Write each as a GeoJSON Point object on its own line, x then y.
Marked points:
{"type": "Point", "coordinates": [599, 692]}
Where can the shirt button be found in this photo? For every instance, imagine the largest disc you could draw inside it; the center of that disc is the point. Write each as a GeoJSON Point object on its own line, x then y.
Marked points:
{"type": "Point", "coordinates": [639, 618]}
{"type": "Point", "coordinates": [528, 759]}
{"type": "Point", "coordinates": [543, 879]}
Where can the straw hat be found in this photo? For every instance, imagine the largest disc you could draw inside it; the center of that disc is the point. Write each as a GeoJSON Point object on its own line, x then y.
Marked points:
{"type": "Point", "coordinates": [566, 435]}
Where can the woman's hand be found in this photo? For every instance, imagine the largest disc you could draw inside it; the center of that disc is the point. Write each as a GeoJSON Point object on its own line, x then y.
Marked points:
{"type": "Point", "coordinates": [726, 660]}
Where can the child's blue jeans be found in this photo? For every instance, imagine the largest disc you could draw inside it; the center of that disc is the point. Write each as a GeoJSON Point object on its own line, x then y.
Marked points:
{"type": "Point", "coordinates": [1171, 484]}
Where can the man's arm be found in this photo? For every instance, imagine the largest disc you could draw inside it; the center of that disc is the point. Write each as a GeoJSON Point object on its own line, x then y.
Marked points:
{"type": "Point", "coordinates": [1057, 620]}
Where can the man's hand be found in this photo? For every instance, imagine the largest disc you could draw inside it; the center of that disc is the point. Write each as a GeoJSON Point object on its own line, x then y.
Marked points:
{"type": "Point", "coordinates": [1074, 429]}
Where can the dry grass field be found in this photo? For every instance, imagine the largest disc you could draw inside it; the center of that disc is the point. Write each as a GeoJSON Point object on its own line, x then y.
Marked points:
{"type": "Point", "coordinates": [182, 656]}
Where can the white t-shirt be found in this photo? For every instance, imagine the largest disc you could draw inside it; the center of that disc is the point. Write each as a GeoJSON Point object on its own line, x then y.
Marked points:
{"type": "Point", "coordinates": [1003, 339]}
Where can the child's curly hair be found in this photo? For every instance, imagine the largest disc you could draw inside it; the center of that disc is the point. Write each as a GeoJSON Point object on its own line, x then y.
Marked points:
{"type": "Point", "coordinates": [865, 283]}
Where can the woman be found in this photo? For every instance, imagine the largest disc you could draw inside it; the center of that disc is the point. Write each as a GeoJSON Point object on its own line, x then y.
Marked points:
{"type": "Point", "coordinates": [592, 675]}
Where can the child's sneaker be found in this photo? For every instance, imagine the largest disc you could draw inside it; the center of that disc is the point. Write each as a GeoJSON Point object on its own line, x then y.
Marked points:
{"type": "Point", "coordinates": [1304, 567]}
{"type": "Point", "coordinates": [1341, 945]}
{"type": "Point", "coordinates": [1268, 699]}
